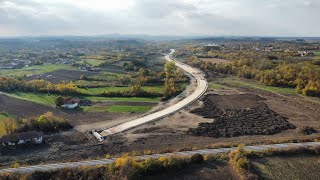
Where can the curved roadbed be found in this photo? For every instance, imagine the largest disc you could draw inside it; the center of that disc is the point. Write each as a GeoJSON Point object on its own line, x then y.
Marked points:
{"type": "Point", "coordinates": [202, 86]}
{"type": "Point", "coordinates": [56, 166]}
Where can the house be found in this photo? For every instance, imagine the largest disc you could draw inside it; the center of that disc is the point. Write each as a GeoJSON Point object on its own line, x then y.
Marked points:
{"type": "Point", "coordinates": [21, 138]}
{"type": "Point", "coordinates": [71, 103]}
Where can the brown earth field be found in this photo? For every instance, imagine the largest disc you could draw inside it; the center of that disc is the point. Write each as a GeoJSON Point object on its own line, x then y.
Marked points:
{"type": "Point", "coordinates": [210, 170]}
{"type": "Point", "coordinates": [287, 168]}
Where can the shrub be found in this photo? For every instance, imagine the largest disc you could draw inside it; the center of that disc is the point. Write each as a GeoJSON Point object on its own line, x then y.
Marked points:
{"type": "Point", "coordinates": [196, 158]}
{"type": "Point", "coordinates": [239, 161]}
{"type": "Point", "coordinates": [306, 130]}
{"type": "Point", "coordinates": [127, 166]}
{"type": "Point", "coordinates": [45, 123]}
{"type": "Point", "coordinates": [216, 157]}
{"type": "Point", "coordinates": [59, 101]}
{"type": "Point", "coordinates": [151, 166]}
{"type": "Point", "coordinates": [15, 165]}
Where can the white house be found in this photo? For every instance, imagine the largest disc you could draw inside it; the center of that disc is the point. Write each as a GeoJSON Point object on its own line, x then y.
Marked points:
{"type": "Point", "coordinates": [21, 138]}
{"type": "Point", "coordinates": [71, 103]}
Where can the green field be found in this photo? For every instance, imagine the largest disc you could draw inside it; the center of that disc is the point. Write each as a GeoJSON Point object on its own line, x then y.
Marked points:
{"type": "Point", "coordinates": [44, 99]}
{"type": "Point", "coordinates": [116, 109]}
{"type": "Point", "coordinates": [122, 109]}
{"type": "Point", "coordinates": [256, 85]}
{"type": "Point", "coordinates": [97, 91]}
{"type": "Point", "coordinates": [303, 167]}
{"type": "Point", "coordinates": [317, 53]}
{"type": "Point", "coordinates": [40, 98]}
{"type": "Point", "coordinates": [217, 86]}
{"type": "Point", "coordinates": [92, 62]}
{"type": "Point", "coordinates": [125, 99]}
{"type": "Point", "coordinates": [32, 70]}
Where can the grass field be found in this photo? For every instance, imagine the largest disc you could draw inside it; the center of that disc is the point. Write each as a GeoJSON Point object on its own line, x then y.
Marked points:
{"type": "Point", "coordinates": [92, 62]}
{"type": "Point", "coordinates": [33, 70]}
{"type": "Point", "coordinates": [96, 91]}
{"type": "Point", "coordinates": [40, 98]}
{"type": "Point", "coordinates": [125, 99]}
{"type": "Point", "coordinates": [317, 53]}
{"type": "Point", "coordinates": [44, 99]}
{"type": "Point", "coordinates": [256, 85]}
{"type": "Point", "coordinates": [217, 86]}
{"type": "Point", "coordinates": [282, 168]}
{"type": "Point", "coordinates": [116, 109]}
{"type": "Point", "coordinates": [121, 109]}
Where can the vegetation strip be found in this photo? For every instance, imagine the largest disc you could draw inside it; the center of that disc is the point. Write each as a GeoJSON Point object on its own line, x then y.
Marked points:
{"type": "Point", "coordinates": [183, 153]}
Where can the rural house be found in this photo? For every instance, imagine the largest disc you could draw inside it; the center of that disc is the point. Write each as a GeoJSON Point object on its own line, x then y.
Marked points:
{"type": "Point", "coordinates": [71, 103]}
{"type": "Point", "coordinates": [21, 138]}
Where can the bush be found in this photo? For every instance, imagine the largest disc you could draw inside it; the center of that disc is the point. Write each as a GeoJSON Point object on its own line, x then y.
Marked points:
{"type": "Point", "coordinates": [306, 130]}
{"type": "Point", "coordinates": [196, 158]}
{"type": "Point", "coordinates": [239, 161]}
{"type": "Point", "coordinates": [45, 123]}
{"type": "Point", "coordinates": [59, 101]}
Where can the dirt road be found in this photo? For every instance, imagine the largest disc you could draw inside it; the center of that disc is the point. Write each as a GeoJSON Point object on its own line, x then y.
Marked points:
{"type": "Point", "coordinates": [47, 167]}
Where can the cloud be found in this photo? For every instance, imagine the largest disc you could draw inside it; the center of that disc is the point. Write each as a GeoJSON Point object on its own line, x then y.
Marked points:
{"type": "Point", "coordinates": [179, 17]}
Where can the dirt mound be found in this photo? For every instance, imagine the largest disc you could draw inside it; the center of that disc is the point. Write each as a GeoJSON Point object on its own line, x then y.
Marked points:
{"type": "Point", "coordinates": [237, 115]}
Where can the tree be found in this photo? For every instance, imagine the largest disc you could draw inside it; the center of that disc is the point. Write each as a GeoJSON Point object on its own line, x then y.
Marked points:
{"type": "Point", "coordinates": [135, 89]}
{"type": "Point", "coordinates": [9, 125]}
{"type": "Point", "coordinates": [169, 88]}
{"type": "Point", "coordinates": [169, 69]}
{"type": "Point", "coordinates": [59, 101]}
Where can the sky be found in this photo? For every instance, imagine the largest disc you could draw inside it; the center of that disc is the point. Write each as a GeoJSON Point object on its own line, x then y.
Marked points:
{"type": "Point", "coordinates": [160, 17]}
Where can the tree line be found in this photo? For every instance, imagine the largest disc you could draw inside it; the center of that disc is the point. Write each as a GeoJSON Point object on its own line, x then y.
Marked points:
{"type": "Point", "coordinates": [304, 76]}
{"type": "Point", "coordinates": [46, 123]}
{"type": "Point", "coordinates": [11, 84]}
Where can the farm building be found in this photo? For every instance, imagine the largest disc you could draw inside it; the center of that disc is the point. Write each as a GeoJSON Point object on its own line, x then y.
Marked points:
{"type": "Point", "coordinates": [71, 103]}
{"type": "Point", "coordinates": [21, 138]}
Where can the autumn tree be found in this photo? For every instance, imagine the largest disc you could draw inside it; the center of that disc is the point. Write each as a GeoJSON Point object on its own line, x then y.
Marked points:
{"type": "Point", "coordinates": [169, 88]}
{"type": "Point", "coordinates": [9, 125]}
{"type": "Point", "coordinates": [135, 89]}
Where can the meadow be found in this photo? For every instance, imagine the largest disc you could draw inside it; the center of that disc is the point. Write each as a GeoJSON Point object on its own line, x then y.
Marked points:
{"type": "Point", "coordinates": [317, 53]}
{"type": "Point", "coordinates": [116, 109]}
{"type": "Point", "coordinates": [49, 100]}
{"type": "Point", "coordinates": [33, 70]}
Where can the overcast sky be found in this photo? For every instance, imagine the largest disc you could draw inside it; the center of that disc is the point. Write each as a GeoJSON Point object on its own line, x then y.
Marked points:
{"type": "Point", "coordinates": [160, 17]}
